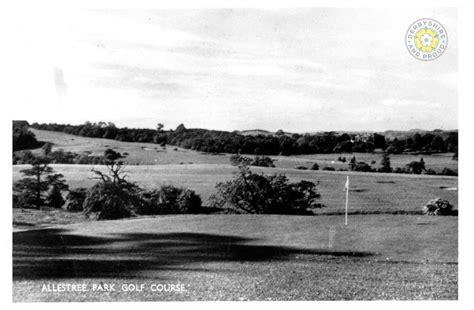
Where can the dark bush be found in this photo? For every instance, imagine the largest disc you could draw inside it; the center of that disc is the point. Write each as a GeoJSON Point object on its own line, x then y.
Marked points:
{"type": "Point", "coordinates": [238, 160]}
{"type": "Point", "coordinates": [54, 197]}
{"type": "Point", "coordinates": [362, 166]}
{"type": "Point", "coordinates": [109, 201]}
{"type": "Point", "coordinates": [429, 171]}
{"type": "Point", "coordinates": [438, 206]}
{"type": "Point", "coordinates": [24, 200]}
{"type": "Point", "coordinates": [302, 168]}
{"type": "Point", "coordinates": [23, 138]}
{"type": "Point", "coordinates": [315, 166]}
{"type": "Point", "coordinates": [447, 171]}
{"type": "Point", "coordinates": [23, 157]}
{"type": "Point", "coordinates": [75, 199]}
{"type": "Point", "coordinates": [113, 197]}
{"type": "Point", "coordinates": [329, 169]}
{"type": "Point", "coordinates": [256, 193]}
{"type": "Point", "coordinates": [57, 157]}
{"type": "Point", "coordinates": [263, 161]}
{"type": "Point", "coordinates": [415, 167]}
{"type": "Point", "coordinates": [169, 200]}
{"type": "Point", "coordinates": [385, 164]}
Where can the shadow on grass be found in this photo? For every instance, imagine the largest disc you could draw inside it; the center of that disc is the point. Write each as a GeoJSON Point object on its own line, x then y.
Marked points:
{"type": "Point", "coordinates": [52, 253]}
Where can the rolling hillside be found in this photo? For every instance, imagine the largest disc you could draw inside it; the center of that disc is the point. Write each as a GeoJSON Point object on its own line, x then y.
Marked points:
{"type": "Point", "coordinates": [154, 154]}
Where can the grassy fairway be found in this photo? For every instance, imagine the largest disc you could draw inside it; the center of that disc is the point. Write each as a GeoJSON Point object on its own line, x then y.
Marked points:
{"type": "Point", "coordinates": [371, 192]}
{"type": "Point", "coordinates": [379, 255]}
{"type": "Point", "coordinates": [152, 154]}
{"type": "Point", "coordinates": [233, 257]}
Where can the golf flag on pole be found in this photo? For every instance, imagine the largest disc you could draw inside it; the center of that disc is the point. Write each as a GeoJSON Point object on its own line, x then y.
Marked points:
{"type": "Point", "coordinates": [346, 188]}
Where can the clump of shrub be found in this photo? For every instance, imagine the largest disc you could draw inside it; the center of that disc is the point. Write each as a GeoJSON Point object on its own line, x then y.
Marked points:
{"type": "Point", "coordinates": [363, 167]}
{"type": "Point", "coordinates": [438, 206]}
{"type": "Point", "coordinates": [429, 171]}
{"type": "Point", "coordinates": [259, 161]}
{"type": "Point", "coordinates": [57, 157]}
{"type": "Point", "coordinates": [257, 193]}
{"type": "Point", "coordinates": [113, 197]}
{"type": "Point", "coordinates": [24, 199]}
{"type": "Point", "coordinates": [329, 168]}
{"type": "Point", "coordinates": [110, 201]}
{"type": "Point", "coordinates": [263, 161]}
{"type": "Point", "coordinates": [54, 197]}
{"type": "Point", "coordinates": [169, 199]}
{"type": "Point", "coordinates": [447, 171]}
{"type": "Point", "coordinates": [415, 167]}
{"type": "Point", "coordinates": [315, 166]}
{"type": "Point", "coordinates": [302, 168]}
{"type": "Point", "coordinates": [75, 199]}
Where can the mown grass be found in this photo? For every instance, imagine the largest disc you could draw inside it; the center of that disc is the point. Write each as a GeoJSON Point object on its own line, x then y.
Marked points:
{"type": "Point", "coordinates": [244, 257]}
{"type": "Point", "coordinates": [152, 154]}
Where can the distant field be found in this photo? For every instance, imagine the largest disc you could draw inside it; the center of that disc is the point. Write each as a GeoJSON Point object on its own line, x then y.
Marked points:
{"type": "Point", "coordinates": [371, 192]}
{"type": "Point", "coordinates": [151, 154]}
{"type": "Point", "coordinates": [244, 257]}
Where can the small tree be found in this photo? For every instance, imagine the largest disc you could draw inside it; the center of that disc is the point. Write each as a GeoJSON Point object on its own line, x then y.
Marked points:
{"type": "Point", "coordinates": [385, 164]}
{"type": "Point", "coordinates": [40, 178]}
{"type": "Point", "coordinates": [352, 163]}
{"type": "Point", "coordinates": [159, 127]}
{"type": "Point", "coordinates": [55, 198]}
{"type": "Point", "coordinates": [416, 167]}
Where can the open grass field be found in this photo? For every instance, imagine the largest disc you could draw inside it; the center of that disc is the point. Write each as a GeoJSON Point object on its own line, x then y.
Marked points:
{"type": "Point", "coordinates": [381, 254]}
{"type": "Point", "coordinates": [152, 154]}
{"type": "Point", "coordinates": [371, 192]}
{"type": "Point", "coordinates": [243, 257]}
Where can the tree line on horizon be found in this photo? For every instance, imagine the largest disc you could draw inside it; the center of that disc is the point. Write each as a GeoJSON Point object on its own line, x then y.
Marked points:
{"type": "Point", "coordinates": [280, 143]}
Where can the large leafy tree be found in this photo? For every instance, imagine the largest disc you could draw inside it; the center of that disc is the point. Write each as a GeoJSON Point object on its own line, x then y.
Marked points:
{"type": "Point", "coordinates": [257, 193]}
{"type": "Point", "coordinates": [113, 197]}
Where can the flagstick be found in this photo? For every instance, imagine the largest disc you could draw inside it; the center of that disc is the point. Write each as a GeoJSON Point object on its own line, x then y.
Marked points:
{"type": "Point", "coordinates": [347, 198]}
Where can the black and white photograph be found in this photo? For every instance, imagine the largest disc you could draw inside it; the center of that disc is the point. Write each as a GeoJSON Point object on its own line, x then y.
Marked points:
{"type": "Point", "coordinates": [235, 154]}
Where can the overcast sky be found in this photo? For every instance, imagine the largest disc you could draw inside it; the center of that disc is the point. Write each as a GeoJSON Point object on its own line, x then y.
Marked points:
{"type": "Point", "coordinates": [296, 69]}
